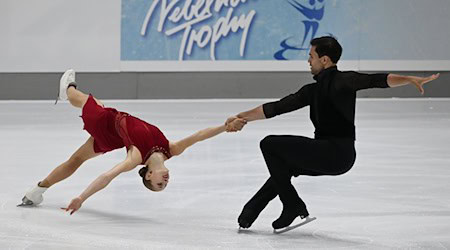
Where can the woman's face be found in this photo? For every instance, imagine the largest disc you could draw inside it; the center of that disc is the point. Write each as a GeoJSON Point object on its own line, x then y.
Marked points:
{"type": "Point", "coordinates": [159, 178]}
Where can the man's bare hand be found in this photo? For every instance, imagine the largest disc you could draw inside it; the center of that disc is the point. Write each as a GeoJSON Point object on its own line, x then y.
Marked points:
{"type": "Point", "coordinates": [230, 119]}
{"type": "Point", "coordinates": [235, 124]}
{"type": "Point", "coordinates": [420, 81]}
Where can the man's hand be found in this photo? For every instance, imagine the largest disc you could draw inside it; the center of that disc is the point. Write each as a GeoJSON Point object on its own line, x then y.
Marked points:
{"type": "Point", "coordinates": [74, 205]}
{"type": "Point", "coordinates": [420, 81]}
{"type": "Point", "coordinates": [235, 124]}
{"type": "Point", "coordinates": [230, 119]}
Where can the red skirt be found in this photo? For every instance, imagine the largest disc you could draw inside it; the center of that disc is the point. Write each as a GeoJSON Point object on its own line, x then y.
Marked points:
{"type": "Point", "coordinates": [112, 129]}
{"type": "Point", "coordinates": [99, 122]}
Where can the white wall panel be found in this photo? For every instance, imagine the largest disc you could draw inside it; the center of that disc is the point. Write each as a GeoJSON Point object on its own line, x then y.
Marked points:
{"type": "Point", "coordinates": [53, 35]}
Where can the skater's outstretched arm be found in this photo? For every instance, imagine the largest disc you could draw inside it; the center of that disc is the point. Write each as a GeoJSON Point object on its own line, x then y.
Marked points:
{"type": "Point", "coordinates": [251, 115]}
{"type": "Point", "coordinates": [394, 80]}
{"type": "Point", "coordinates": [133, 159]}
{"type": "Point", "coordinates": [287, 104]}
{"type": "Point", "coordinates": [237, 122]}
{"type": "Point", "coordinates": [176, 148]}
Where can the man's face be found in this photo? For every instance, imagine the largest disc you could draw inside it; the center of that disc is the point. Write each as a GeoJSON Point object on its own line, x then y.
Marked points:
{"type": "Point", "coordinates": [314, 61]}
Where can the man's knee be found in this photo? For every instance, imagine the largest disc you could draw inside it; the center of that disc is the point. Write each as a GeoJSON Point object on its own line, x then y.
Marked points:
{"type": "Point", "coordinates": [267, 142]}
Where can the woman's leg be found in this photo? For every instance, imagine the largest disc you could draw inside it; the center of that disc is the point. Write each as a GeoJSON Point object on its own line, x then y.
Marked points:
{"type": "Point", "coordinates": [66, 169]}
{"type": "Point", "coordinates": [68, 90]}
{"type": "Point", "coordinates": [78, 98]}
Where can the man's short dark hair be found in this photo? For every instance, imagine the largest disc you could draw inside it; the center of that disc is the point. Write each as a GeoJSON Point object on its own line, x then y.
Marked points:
{"type": "Point", "coordinates": [328, 46]}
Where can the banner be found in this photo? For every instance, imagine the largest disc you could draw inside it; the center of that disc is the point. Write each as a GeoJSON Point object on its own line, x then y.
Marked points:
{"type": "Point", "coordinates": [221, 35]}
{"type": "Point", "coordinates": [229, 35]}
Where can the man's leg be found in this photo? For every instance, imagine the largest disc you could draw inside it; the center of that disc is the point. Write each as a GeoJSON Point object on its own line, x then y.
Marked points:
{"type": "Point", "coordinates": [286, 156]}
{"type": "Point", "coordinates": [268, 191]}
{"type": "Point", "coordinates": [293, 205]}
{"type": "Point", "coordinates": [257, 204]}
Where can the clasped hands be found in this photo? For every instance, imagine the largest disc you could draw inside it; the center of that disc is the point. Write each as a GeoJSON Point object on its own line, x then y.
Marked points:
{"type": "Point", "coordinates": [234, 124]}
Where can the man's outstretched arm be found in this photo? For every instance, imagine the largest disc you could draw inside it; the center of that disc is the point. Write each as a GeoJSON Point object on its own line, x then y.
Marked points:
{"type": "Point", "coordinates": [237, 122]}
{"type": "Point", "coordinates": [268, 110]}
{"type": "Point", "coordinates": [252, 114]}
{"type": "Point", "coordinates": [394, 80]}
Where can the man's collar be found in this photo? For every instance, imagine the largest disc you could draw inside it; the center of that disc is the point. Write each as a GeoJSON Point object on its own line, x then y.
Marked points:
{"type": "Point", "coordinates": [325, 72]}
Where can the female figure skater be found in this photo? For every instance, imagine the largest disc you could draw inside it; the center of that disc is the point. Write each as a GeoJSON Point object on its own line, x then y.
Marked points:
{"type": "Point", "coordinates": [111, 129]}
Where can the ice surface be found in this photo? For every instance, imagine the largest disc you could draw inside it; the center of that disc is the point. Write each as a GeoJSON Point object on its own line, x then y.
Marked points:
{"type": "Point", "coordinates": [396, 195]}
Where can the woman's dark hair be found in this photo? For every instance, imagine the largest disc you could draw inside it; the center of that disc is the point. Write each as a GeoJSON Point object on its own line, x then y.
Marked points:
{"type": "Point", "coordinates": [328, 46]}
{"type": "Point", "coordinates": [147, 183]}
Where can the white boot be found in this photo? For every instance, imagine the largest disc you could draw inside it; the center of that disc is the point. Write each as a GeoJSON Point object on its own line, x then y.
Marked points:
{"type": "Point", "coordinates": [67, 78]}
{"type": "Point", "coordinates": [33, 197]}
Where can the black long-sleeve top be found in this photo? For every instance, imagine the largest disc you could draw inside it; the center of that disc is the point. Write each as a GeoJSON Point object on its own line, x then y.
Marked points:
{"type": "Point", "coordinates": [331, 99]}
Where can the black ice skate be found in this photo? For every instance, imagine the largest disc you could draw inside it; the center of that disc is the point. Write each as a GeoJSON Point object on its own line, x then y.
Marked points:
{"type": "Point", "coordinates": [283, 223]}
{"type": "Point", "coordinates": [246, 218]}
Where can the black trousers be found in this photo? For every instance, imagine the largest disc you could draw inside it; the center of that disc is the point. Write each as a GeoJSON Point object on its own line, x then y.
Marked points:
{"type": "Point", "coordinates": [288, 156]}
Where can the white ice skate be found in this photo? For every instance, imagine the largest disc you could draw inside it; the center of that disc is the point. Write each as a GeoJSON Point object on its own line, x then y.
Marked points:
{"type": "Point", "coordinates": [33, 197]}
{"type": "Point", "coordinates": [67, 78]}
{"type": "Point", "coordinates": [303, 221]}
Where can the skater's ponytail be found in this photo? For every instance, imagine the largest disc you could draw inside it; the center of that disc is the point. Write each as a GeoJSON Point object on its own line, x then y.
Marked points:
{"type": "Point", "coordinates": [147, 183]}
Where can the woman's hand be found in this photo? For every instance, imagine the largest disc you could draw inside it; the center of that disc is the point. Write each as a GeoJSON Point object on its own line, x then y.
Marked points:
{"type": "Point", "coordinates": [74, 205]}
{"type": "Point", "coordinates": [235, 124]}
{"type": "Point", "coordinates": [230, 119]}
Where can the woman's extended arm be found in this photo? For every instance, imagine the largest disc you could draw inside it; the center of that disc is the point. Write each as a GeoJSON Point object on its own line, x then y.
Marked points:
{"type": "Point", "coordinates": [133, 159]}
{"type": "Point", "coordinates": [178, 147]}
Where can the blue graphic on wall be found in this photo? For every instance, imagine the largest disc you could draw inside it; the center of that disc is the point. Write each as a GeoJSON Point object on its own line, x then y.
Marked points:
{"type": "Point", "coordinates": [214, 29]}
{"type": "Point", "coordinates": [313, 15]}
{"type": "Point", "coordinates": [199, 30]}
{"type": "Point", "coordinates": [241, 30]}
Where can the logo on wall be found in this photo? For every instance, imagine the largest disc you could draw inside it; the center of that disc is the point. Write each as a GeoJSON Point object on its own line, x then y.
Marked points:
{"type": "Point", "coordinates": [311, 16]}
{"type": "Point", "coordinates": [201, 24]}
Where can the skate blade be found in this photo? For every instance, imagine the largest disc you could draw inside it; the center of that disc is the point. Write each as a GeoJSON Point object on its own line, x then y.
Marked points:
{"type": "Point", "coordinates": [289, 228]}
{"type": "Point", "coordinates": [57, 98]}
{"type": "Point", "coordinates": [26, 203]}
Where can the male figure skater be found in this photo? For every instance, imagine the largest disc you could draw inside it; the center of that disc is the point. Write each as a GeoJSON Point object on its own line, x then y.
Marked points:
{"type": "Point", "coordinates": [332, 110]}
